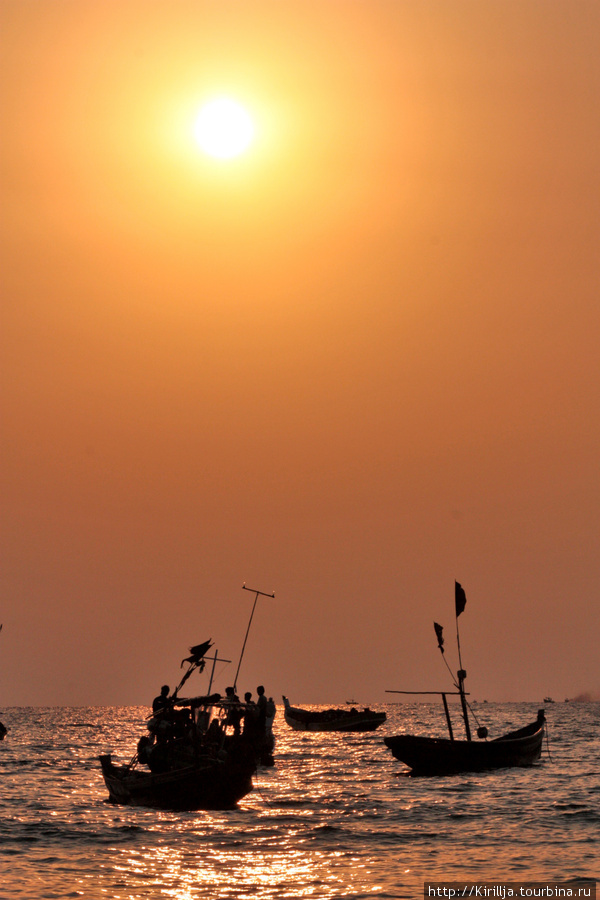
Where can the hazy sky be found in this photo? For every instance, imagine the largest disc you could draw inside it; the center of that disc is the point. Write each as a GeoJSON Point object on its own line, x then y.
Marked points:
{"type": "Point", "coordinates": [350, 366]}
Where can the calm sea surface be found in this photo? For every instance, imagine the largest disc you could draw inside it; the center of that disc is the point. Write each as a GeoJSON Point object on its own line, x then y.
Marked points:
{"type": "Point", "coordinates": [332, 820]}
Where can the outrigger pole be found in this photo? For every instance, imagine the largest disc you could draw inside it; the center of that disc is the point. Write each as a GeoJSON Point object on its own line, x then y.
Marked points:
{"type": "Point", "coordinates": [258, 594]}
{"type": "Point", "coordinates": [443, 695]}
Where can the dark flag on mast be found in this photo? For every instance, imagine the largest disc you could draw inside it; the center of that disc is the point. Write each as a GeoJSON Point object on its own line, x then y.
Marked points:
{"type": "Point", "coordinates": [197, 654]}
{"type": "Point", "coordinates": [439, 633]}
{"type": "Point", "coordinates": [460, 598]}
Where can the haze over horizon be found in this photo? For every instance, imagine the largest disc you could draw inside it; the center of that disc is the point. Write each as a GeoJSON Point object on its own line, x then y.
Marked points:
{"type": "Point", "coordinates": [351, 365]}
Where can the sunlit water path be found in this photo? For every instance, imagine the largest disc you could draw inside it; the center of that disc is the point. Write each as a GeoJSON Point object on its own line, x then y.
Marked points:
{"type": "Point", "coordinates": [331, 820]}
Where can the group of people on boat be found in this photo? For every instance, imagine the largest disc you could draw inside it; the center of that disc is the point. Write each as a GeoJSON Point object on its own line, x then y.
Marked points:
{"type": "Point", "coordinates": [179, 729]}
{"type": "Point", "coordinates": [253, 718]}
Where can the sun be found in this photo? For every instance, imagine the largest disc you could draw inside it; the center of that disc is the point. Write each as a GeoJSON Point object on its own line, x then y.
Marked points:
{"type": "Point", "coordinates": [224, 129]}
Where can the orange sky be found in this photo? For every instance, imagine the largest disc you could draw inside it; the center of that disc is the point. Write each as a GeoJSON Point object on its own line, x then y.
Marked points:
{"type": "Point", "coordinates": [350, 366]}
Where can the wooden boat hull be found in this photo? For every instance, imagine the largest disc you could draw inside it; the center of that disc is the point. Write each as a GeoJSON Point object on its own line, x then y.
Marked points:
{"type": "Point", "coordinates": [327, 720]}
{"type": "Point", "coordinates": [209, 784]}
{"type": "Point", "coordinates": [439, 756]}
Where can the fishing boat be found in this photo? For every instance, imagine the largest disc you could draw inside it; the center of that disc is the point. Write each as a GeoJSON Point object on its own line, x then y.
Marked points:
{"type": "Point", "coordinates": [193, 756]}
{"type": "Point", "coordinates": [441, 756]}
{"type": "Point", "coordinates": [208, 783]}
{"type": "Point", "coordinates": [447, 756]}
{"type": "Point", "coordinates": [331, 719]}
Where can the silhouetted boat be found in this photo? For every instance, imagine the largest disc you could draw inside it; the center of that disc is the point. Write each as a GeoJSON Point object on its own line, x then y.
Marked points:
{"type": "Point", "coordinates": [209, 782]}
{"type": "Point", "coordinates": [193, 757]}
{"type": "Point", "coordinates": [331, 719]}
{"type": "Point", "coordinates": [548, 700]}
{"type": "Point", "coordinates": [443, 756]}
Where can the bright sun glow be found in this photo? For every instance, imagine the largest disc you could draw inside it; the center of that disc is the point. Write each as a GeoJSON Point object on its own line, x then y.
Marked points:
{"type": "Point", "coordinates": [224, 128]}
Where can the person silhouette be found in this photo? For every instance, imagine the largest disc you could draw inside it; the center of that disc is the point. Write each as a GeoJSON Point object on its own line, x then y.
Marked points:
{"type": "Point", "coordinates": [162, 703]}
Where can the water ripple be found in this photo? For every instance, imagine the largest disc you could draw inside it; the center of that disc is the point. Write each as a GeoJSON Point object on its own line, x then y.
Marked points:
{"type": "Point", "coordinates": [331, 820]}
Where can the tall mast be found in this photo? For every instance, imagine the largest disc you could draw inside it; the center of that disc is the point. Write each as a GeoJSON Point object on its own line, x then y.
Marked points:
{"type": "Point", "coordinates": [258, 594]}
{"type": "Point", "coordinates": [460, 601]}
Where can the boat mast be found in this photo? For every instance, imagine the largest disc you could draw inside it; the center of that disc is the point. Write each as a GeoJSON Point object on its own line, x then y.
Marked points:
{"type": "Point", "coordinates": [214, 663]}
{"type": "Point", "coordinates": [460, 601]}
{"type": "Point", "coordinates": [258, 594]}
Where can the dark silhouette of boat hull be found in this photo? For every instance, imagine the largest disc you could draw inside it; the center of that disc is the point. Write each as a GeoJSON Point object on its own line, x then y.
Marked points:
{"type": "Point", "coordinates": [208, 784]}
{"type": "Point", "coordinates": [332, 719]}
{"type": "Point", "coordinates": [441, 756]}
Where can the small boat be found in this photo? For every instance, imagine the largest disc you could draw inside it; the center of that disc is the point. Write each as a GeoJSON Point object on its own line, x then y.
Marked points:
{"type": "Point", "coordinates": [441, 756]}
{"type": "Point", "coordinates": [548, 700]}
{"type": "Point", "coordinates": [447, 756]}
{"type": "Point", "coordinates": [194, 755]}
{"type": "Point", "coordinates": [332, 719]}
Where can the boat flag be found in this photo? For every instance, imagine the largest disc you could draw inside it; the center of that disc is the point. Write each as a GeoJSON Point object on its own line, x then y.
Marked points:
{"type": "Point", "coordinates": [197, 653]}
{"type": "Point", "coordinates": [460, 598]}
{"type": "Point", "coordinates": [440, 636]}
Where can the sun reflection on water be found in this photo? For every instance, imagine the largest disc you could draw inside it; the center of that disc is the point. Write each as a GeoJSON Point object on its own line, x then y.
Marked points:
{"type": "Point", "coordinates": [330, 820]}
{"type": "Point", "coordinates": [243, 872]}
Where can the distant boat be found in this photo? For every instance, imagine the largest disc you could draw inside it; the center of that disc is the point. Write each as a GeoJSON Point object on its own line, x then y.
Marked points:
{"type": "Point", "coordinates": [331, 719]}
{"type": "Point", "coordinates": [443, 756]}
{"type": "Point", "coordinates": [548, 700]}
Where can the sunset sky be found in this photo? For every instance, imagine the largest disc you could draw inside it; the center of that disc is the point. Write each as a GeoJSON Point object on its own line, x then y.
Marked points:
{"type": "Point", "coordinates": [350, 365]}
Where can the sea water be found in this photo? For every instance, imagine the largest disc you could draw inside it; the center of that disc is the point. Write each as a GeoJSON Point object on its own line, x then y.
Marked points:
{"type": "Point", "coordinates": [335, 818]}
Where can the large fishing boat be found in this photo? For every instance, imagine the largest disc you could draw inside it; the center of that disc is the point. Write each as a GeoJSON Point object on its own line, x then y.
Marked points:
{"type": "Point", "coordinates": [446, 756]}
{"type": "Point", "coordinates": [331, 719]}
{"type": "Point", "coordinates": [202, 769]}
{"type": "Point", "coordinates": [194, 755]}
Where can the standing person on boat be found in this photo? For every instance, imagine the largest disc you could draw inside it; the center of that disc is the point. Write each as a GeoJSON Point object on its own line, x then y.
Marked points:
{"type": "Point", "coordinates": [250, 716]}
{"type": "Point", "coordinates": [265, 736]}
{"type": "Point", "coordinates": [234, 715]}
{"type": "Point", "coordinates": [261, 705]}
{"type": "Point", "coordinates": [270, 710]}
{"type": "Point", "coordinates": [163, 702]}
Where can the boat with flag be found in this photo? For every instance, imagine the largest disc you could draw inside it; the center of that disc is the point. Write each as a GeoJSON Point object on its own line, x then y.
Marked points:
{"type": "Point", "coordinates": [446, 756]}
{"type": "Point", "coordinates": [332, 719]}
{"type": "Point", "coordinates": [193, 756]}
{"type": "Point", "coordinates": [196, 754]}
